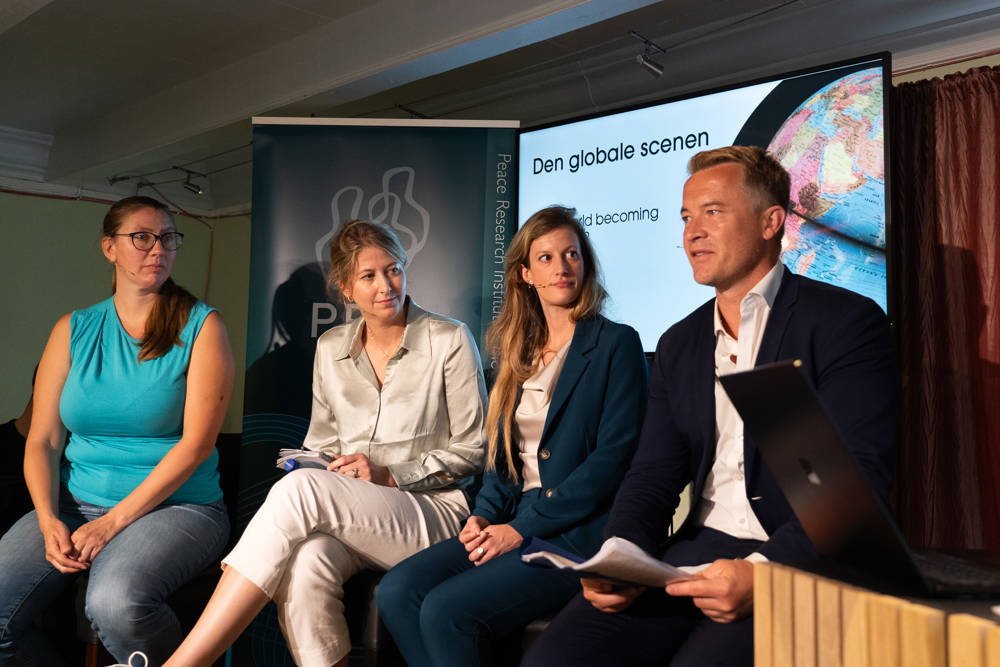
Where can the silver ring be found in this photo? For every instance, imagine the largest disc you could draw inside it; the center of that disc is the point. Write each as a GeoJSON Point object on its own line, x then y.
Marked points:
{"type": "Point", "coordinates": [355, 473]}
{"type": "Point", "coordinates": [480, 551]}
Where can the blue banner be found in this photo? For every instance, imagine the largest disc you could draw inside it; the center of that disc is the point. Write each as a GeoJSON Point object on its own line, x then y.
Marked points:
{"type": "Point", "coordinates": [445, 187]}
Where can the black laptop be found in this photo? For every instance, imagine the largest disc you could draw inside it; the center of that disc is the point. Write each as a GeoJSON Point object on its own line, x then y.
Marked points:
{"type": "Point", "coordinates": [848, 523]}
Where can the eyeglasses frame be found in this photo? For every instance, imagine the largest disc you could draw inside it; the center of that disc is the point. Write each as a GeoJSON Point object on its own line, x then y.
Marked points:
{"type": "Point", "coordinates": [156, 238]}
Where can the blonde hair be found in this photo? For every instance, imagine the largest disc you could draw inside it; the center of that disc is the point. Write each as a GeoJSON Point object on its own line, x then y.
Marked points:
{"type": "Point", "coordinates": [348, 243]}
{"type": "Point", "coordinates": [519, 332]}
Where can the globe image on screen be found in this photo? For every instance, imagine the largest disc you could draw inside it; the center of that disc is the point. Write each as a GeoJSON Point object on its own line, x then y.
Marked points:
{"type": "Point", "coordinates": [832, 145]}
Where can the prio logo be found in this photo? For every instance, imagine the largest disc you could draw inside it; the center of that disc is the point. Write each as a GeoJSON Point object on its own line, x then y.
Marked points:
{"type": "Point", "coordinates": [393, 206]}
{"type": "Point", "coordinates": [810, 473]}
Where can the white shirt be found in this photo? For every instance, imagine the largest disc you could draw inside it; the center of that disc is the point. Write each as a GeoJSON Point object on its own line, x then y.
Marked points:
{"type": "Point", "coordinates": [532, 411]}
{"type": "Point", "coordinates": [724, 504]}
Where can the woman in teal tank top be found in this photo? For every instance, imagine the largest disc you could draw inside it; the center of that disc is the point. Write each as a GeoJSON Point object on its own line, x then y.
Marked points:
{"type": "Point", "coordinates": [142, 381]}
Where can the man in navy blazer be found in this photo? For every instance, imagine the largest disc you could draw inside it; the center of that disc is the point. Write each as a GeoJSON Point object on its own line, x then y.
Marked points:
{"type": "Point", "coordinates": [734, 209]}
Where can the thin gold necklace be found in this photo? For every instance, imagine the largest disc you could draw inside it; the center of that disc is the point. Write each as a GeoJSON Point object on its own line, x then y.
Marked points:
{"type": "Point", "coordinates": [551, 351]}
{"type": "Point", "coordinates": [381, 349]}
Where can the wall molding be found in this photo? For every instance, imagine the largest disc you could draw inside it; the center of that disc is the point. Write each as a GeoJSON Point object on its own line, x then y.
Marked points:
{"type": "Point", "coordinates": [18, 186]}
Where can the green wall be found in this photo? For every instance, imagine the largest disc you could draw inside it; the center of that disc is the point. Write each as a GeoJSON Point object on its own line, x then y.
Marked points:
{"type": "Point", "coordinates": [52, 263]}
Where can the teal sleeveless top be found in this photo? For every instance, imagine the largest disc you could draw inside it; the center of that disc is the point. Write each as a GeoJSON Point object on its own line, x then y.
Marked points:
{"type": "Point", "coordinates": [123, 415]}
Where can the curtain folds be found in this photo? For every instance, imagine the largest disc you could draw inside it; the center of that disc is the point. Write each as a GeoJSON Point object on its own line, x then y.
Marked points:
{"type": "Point", "coordinates": [945, 255]}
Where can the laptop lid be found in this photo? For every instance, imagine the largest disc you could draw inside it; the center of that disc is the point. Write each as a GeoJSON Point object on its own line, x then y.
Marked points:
{"type": "Point", "coordinates": [837, 507]}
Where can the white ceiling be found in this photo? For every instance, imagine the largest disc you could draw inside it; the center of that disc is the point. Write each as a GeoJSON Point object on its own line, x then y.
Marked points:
{"type": "Point", "coordinates": [94, 89]}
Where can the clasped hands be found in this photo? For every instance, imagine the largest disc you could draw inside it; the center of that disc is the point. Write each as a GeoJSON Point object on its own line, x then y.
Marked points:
{"type": "Point", "coordinates": [723, 591]}
{"type": "Point", "coordinates": [74, 552]}
{"type": "Point", "coordinates": [485, 541]}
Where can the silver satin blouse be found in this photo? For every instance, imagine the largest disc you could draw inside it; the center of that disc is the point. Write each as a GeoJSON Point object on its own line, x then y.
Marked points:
{"type": "Point", "coordinates": [427, 418]}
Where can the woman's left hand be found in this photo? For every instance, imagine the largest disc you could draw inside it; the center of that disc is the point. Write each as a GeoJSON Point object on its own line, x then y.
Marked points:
{"type": "Point", "coordinates": [359, 467]}
{"type": "Point", "coordinates": [494, 540]}
{"type": "Point", "coordinates": [91, 537]}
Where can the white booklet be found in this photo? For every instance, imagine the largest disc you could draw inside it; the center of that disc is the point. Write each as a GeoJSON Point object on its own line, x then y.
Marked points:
{"type": "Point", "coordinates": [618, 560]}
{"type": "Point", "coordinates": [290, 459]}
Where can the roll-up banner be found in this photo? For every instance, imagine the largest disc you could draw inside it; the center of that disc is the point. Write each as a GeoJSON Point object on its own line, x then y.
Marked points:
{"type": "Point", "coordinates": [445, 187]}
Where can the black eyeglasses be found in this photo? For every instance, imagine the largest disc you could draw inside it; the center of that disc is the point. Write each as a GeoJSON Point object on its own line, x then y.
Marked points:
{"type": "Point", "coordinates": [146, 240]}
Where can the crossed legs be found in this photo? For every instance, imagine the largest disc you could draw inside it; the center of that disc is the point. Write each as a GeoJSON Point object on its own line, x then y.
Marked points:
{"type": "Point", "coordinates": [314, 531]}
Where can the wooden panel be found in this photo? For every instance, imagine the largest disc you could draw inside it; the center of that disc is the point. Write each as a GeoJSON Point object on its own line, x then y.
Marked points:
{"type": "Point", "coordinates": [829, 638]}
{"type": "Point", "coordinates": [763, 625]}
{"type": "Point", "coordinates": [783, 618]}
{"type": "Point", "coordinates": [922, 636]}
{"type": "Point", "coordinates": [993, 647]}
{"type": "Point", "coordinates": [804, 620]}
{"type": "Point", "coordinates": [804, 604]}
{"type": "Point", "coordinates": [967, 640]}
{"type": "Point", "coordinates": [883, 630]}
{"type": "Point", "coordinates": [854, 625]}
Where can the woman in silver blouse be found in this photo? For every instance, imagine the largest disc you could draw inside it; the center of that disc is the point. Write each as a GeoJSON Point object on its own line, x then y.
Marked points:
{"type": "Point", "coordinates": [398, 402]}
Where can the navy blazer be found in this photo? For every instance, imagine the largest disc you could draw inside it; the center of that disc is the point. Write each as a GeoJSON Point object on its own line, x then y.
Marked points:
{"type": "Point", "coordinates": [590, 433]}
{"type": "Point", "coordinates": [843, 341]}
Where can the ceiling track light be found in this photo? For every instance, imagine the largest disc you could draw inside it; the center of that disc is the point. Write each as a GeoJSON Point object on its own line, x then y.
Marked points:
{"type": "Point", "coordinates": [188, 184]}
{"type": "Point", "coordinates": [192, 187]}
{"type": "Point", "coordinates": [650, 65]}
{"type": "Point", "coordinates": [645, 59]}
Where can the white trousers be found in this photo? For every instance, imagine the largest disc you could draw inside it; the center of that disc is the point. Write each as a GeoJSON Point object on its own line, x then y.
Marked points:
{"type": "Point", "coordinates": [315, 530]}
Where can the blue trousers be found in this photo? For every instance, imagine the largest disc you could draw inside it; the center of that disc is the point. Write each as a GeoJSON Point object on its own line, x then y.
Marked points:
{"type": "Point", "coordinates": [656, 629]}
{"type": "Point", "coordinates": [442, 610]}
{"type": "Point", "coordinates": [130, 579]}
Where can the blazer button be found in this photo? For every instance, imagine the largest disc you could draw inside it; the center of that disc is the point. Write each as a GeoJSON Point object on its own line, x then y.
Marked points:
{"type": "Point", "coordinates": [549, 493]}
{"type": "Point", "coordinates": [544, 454]}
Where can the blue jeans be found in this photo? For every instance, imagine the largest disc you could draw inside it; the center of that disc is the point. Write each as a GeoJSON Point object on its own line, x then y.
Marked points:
{"type": "Point", "coordinates": [130, 579]}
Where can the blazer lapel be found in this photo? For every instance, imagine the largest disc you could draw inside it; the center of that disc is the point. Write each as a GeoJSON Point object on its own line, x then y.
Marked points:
{"type": "Point", "coordinates": [584, 340]}
{"type": "Point", "coordinates": [770, 347]}
{"type": "Point", "coordinates": [777, 321]}
{"type": "Point", "coordinates": [704, 390]}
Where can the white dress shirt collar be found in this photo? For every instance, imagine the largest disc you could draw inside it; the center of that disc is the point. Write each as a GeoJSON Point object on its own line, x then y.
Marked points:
{"type": "Point", "coordinates": [766, 288]}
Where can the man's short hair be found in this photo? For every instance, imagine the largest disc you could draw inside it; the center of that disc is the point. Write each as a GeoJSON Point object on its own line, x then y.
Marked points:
{"type": "Point", "coordinates": [767, 182]}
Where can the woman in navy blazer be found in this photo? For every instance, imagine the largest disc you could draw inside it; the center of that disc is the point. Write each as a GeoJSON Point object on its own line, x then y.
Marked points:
{"type": "Point", "coordinates": [554, 471]}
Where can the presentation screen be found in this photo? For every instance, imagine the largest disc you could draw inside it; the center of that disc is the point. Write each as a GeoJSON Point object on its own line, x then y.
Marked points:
{"type": "Point", "coordinates": [624, 171]}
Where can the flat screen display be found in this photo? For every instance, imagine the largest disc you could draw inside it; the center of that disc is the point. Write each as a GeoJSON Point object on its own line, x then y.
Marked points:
{"type": "Point", "coordinates": [624, 172]}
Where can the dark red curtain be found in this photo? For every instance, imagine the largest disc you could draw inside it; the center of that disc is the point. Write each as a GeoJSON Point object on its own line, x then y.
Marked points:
{"type": "Point", "coordinates": [945, 143]}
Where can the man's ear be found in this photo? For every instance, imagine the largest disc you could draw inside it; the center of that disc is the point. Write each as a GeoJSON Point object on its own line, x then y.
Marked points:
{"type": "Point", "coordinates": [772, 220]}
